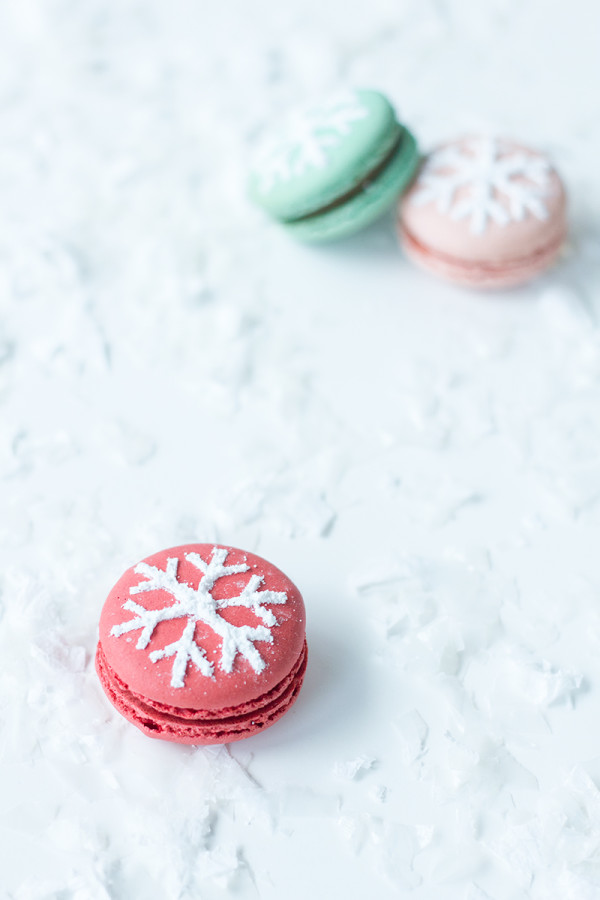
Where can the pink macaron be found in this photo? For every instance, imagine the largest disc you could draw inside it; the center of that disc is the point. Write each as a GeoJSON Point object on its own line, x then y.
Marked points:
{"type": "Point", "coordinates": [202, 644]}
{"type": "Point", "coordinates": [484, 212]}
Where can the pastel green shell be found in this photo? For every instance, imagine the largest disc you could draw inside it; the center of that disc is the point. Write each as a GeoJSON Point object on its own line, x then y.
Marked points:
{"type": "Point", "coordinates": [323, 152]}
{"type": "Point", "coordinates": [367, 204]}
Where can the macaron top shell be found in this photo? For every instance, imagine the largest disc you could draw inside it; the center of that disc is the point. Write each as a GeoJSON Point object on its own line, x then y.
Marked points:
{"type": "Point", "coordinates": [202, 626]}
{"type": "Point", "coordinates": [322, 152]}
{"type": "Point", "coordinates": [485, 200]}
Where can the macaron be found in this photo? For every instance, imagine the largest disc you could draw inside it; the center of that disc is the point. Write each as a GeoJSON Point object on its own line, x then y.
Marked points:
{"type": "Point", "coordinates": [484, 212]}
{"type": "Point", "coordinates": [333, 168]}
{"type": "Point", "coordinates": [202, 644]}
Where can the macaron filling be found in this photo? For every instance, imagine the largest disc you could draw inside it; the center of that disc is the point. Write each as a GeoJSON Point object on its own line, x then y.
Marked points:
{"type": "Point", "coordinates": [464, 268]}
{"type": "Point", "coordinates": [366, 206]}
{"type": "Point", "coordinates": [362, 185]}
{"type": "Point", "coordinates": [203, 726]}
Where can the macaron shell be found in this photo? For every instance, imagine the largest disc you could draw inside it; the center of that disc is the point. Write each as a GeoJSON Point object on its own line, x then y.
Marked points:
{"type": "Point", "coordinates": [152, 680]}
{"type": "Point", "coordinates": [351, 134]}
{"type": "Point", "coordinates": [455, 238]}
{"type": "Point", "coordinates": [365, 206]}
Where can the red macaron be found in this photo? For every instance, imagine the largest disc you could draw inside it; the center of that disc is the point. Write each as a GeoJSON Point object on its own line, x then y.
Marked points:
{"type": "Point", "coordinates": [202, 644]}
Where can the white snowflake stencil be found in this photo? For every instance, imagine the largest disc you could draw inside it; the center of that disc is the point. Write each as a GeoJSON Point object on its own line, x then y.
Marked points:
{"type": "Point", "coordinates": [199, 605]}
{"type": "Point", "coordinates": [500, 183]}
{"type": "Point", "coordinates": [305, 140]}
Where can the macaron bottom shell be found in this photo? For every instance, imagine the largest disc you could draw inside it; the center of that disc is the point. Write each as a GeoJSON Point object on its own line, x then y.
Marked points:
{"type": "Point", "coordinates": [480, 275]}
{"type": "Point", "coordinates": [364, 206]}
{"type": "Point", "coordinates": [185, 726]}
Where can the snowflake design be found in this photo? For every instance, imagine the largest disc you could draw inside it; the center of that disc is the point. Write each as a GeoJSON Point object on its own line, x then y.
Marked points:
{"type": "Point", "coordinates": [501, 183]}
{"type": "Point", "coordinates": [304, 142]}
{"type": "Point", "coordinates": [198, 605]}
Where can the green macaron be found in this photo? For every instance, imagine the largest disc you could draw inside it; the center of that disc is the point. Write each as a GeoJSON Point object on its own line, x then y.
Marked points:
{"type": "Point", "coordinates": [332, 169]}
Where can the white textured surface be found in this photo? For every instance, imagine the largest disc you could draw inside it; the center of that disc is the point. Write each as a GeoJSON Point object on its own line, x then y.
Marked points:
{"type": "Point", "coordinates": [423, 462]}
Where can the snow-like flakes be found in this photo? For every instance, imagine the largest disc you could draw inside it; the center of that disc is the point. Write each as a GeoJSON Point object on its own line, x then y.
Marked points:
{"type": "Point", "coordinates": [497, 182]}
{"type": "Point", "coordinates": [199, 605]}
{"type": "Point", "coordinates": [305, 140]}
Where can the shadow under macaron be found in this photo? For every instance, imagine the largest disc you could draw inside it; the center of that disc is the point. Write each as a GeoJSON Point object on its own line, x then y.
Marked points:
{"type": "Point", "coordinates": [332, 697]}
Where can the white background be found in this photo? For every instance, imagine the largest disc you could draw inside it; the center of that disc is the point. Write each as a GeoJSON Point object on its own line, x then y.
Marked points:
{"type": "Point", "coordinates": [422, 461]}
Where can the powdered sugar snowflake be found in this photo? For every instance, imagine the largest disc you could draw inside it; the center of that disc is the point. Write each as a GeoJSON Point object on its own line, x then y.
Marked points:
{"type": "Point", "coordinates": [305, 139]}
{"type": "Point", "coordinates": [199, 605]}
{"type": "Point", "coordinates": [500, 182]}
